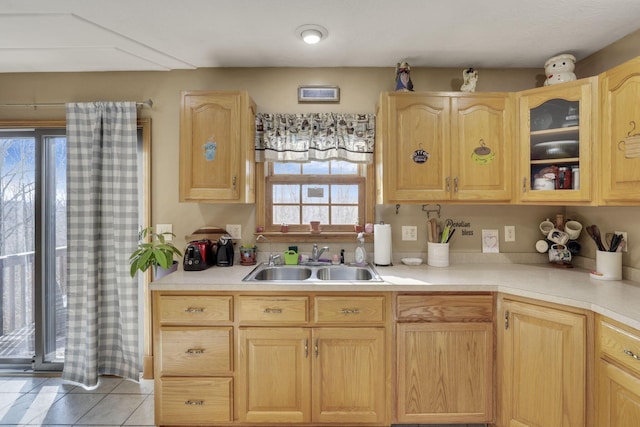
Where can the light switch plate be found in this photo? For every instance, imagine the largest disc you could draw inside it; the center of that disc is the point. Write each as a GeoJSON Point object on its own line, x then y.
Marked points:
{"type": "Point", "coordinates": [509, 233]}
{"type": "Point", "coordinates": [409, 232]}
{"type": "Point", "coordinates": [234, 230]}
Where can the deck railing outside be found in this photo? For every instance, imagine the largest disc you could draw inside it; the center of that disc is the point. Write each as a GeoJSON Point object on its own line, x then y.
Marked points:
{"type": "Point", "coordinates": [17, 301]}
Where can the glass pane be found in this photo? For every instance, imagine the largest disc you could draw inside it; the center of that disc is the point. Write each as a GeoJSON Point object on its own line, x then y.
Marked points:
{"type": "Point", "coordinates": [315, 213]}
{"type": "Point", "coordinates": [314, 193]}
{"type": "Point", "coordinates": [341, 215]}
{"type": "Point", "coordinates": [56, 205]}
{"type": "Point", "coordinates": [286, 214]}
{"type": "Point", "coordinates": [17, 225]}
{"type": "Point", "coordinates": [315, 168]}
{"type": "Point", "coordinates": [343, 168]}
{"type": "Point", "coordinates": [344, 194]}
{"type": "Point", "coordinates": [284, 193]}
{"type": "Point", "coordinates": [286, 168]}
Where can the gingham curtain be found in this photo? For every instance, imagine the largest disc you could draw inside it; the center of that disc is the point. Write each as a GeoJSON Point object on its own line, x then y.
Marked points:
{"type": "Point", "coordinates": [102, 232]}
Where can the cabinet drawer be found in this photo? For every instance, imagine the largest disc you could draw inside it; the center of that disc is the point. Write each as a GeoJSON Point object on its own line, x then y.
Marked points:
{"type": "Point", "coordinates": [195, 310]}
{"type": "Point", "coordinates": [331, 309]}
{"type": "Point", "coordinates": [284, 309]}
{"type": "Point", "coordinates": [445, 308]}
{"type": "Point", "coordinates": [195, 351]}
{"type": "Point", "coordinates": [194, 401]}
{"type": "Point", "coordinates": [622, 345]}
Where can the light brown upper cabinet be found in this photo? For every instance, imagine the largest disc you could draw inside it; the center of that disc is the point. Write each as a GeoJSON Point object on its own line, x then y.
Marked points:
{"type": "Point", "coordinates": [620, 134]}
{"type": "Point", "coordinates": [217, 147]}
{"type": "Point", "coordinates": [556, 133]}
{"type": "Point", "coordinates": [444, 146]}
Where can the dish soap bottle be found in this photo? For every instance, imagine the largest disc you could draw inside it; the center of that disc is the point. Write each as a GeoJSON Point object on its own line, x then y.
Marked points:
{"type": "Point", "coordinates": [361, 253]}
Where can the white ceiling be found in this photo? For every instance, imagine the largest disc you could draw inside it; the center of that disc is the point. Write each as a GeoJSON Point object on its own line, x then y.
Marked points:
{"type": "Point", "coordinates": [118, 35]}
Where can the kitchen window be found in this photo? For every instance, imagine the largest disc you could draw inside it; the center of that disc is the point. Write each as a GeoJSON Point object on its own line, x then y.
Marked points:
{"type": "Point", "coordinates": [337, 193]}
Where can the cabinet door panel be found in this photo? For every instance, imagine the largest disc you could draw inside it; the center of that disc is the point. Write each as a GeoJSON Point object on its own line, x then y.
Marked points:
{"type": "Point", "coordinates": [544, 369]}
{"type": "Point", "coordinates": [482, 140]}
{"type": "Point", "coordinates": [273, 375]}
{"type": "Point", "coordinates": [618, 397]}
{"type": "Point", "coordinates": [620, 91]}
{"type": "Point", "coordinates": [545, 126]}
{"type": "Point", "coordinates": [210, 119]}
{"type": "Point", "coordinates": [445, 373]}
{"type": "Point", "coordinates": [349, 375]}
{"type": "Point", "coordinates": [418, 123]}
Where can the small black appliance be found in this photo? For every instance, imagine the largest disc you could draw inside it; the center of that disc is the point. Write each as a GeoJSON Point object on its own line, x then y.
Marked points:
{"type": "Point", "coordinates": [224, 253]}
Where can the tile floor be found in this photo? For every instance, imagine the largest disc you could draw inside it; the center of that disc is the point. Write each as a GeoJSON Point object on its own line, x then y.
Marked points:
{"type": "Point", "coordinates": [48, 401]}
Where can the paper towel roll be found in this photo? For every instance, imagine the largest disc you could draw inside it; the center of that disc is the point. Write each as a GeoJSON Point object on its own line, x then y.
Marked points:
{"type": "Point", "coordinates": [382, 244]}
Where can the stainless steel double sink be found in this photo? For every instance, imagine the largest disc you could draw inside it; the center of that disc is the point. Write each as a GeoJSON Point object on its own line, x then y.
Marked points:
{"type": "Point", "coordinates": [317, 272]}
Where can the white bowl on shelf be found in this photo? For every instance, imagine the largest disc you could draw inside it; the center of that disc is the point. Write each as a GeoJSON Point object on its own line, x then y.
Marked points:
{"type": "Point", "coordinates": [411, 261]}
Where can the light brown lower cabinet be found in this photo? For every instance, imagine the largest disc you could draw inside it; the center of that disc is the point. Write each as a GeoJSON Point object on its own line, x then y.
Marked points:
{"type": "Point", "coordinates": [272, 358]}
{"type": "Point", "coordinates": [618, 374]}
{"type": "Point", "coordinates": [445, 358]}
{"type": "Point", "coordinates": [320, 375]}
{"type": "Point", "coordinates": [542, 358]}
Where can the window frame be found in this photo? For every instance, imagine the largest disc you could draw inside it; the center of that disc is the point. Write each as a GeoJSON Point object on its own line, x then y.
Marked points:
{"type": "Point", "coordinates": [301, 232]}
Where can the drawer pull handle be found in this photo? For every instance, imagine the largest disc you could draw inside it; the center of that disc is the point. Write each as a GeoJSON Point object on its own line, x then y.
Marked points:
{"type": "Point", "coordinates": [273, 310]}
{"type": "Point", "coordinates": [194, 402]}
{"type": "Point", "coordinates": [194, 310]}
{"type": "Point", "coordinates": [195, 351]}
{"type": "Point", "coordinates": [350, 311]}
{"type": "Point", "coordinates": [632, 354]}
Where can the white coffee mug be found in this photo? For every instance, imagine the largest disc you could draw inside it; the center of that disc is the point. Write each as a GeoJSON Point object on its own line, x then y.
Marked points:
{"type": "Point", "coordinates": [545, 227]}
{"type": "Point", "coordinates": [573, 229]}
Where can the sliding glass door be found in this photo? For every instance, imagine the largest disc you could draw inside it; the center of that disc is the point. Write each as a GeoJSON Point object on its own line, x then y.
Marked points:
{"type": "Point", "coordinates": [32, 247]}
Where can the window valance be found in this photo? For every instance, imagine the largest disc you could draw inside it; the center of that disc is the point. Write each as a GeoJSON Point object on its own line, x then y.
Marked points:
{"type": "Point", "coordinates": [315, 136]}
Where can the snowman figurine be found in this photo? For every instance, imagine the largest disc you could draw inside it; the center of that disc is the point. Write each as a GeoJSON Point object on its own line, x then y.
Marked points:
{"type": "Point", "coordinates": [559, 69]}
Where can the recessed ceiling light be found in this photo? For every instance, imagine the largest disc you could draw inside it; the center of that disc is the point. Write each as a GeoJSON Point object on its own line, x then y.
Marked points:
{"type": "Point", "coordinates": [311, 33]}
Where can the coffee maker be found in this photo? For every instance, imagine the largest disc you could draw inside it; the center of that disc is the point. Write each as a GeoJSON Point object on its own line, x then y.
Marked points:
{"type": "Point", "coordinates": [224, 253]}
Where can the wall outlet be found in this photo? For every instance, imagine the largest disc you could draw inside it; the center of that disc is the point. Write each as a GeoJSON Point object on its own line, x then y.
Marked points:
{"type": "Point", "coordinates": [626, 240]}
{"type": "Point", "coordinates": [165, 228]}
{"type": "Point", "coordinates": [234, 230]}
{"type": "Point", "coordinates": [409, 232]}
{"type": "Point", "coordinates": [509, 233]}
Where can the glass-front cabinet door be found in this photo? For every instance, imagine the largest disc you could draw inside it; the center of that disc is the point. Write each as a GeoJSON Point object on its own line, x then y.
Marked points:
{"type": "Point", "coordinates": [556, 126]}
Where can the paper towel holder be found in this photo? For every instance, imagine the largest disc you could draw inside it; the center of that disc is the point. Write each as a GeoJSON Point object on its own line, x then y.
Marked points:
{"type": "Point", "coordinates": [425, 208]}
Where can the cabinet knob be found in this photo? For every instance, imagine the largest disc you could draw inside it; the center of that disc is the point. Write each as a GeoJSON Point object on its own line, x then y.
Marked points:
{"type": "Point", "coordinates": [273, 310]}
{"type": "Point", "coordinates": [448, 184]}
{"type": "Point", "coordinates": [194, 310]}
{"type": "Point", "coordinates": [195, 351]}
{"type": "Point", "coordinates": [632, 354]}
{"type": "Point", "coordinates": [194, 402]}
{"type": "Point", "coordinates": [350, 311]}
{"type": "Point", "coordinates": [455, 184]}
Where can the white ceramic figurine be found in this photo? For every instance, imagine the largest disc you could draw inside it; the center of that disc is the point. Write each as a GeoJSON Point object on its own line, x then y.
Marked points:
{"type": "Point", "coordinates": [470, 78]}
{"type": "Point", "coordinates": [559, 69]}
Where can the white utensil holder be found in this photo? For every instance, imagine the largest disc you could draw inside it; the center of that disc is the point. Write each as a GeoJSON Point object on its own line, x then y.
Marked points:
{"type": "Point", "coordinates": [438, 254]}
{"type": "Point", "coordinates": [608, 266]}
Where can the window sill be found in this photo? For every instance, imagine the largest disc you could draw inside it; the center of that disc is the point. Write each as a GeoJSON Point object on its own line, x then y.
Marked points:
{"type": "Point", "coordinates": [306, 237]}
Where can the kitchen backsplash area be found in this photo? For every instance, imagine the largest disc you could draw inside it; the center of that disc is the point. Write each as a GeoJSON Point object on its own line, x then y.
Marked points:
{"type": "Point", "coordinates": [466, 244]}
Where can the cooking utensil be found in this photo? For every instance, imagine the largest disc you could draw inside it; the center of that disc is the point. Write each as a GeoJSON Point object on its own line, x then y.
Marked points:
{"type": "Point", "coordinates": [615, 242]}
{"type": "Point", "coordinates": [594, 232]}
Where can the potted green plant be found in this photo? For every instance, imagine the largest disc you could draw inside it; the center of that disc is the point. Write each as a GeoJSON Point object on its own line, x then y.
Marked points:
{"type": "Point", "coordinates": [154, 250]}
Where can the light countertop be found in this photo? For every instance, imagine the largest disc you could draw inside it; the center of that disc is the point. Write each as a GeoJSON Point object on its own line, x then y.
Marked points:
{"type": "Point", "coordinates": [619, 300]}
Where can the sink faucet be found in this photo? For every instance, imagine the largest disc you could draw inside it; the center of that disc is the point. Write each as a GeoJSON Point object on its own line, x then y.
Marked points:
{"type": "Point", "coordinates": [272, 257]}
{"type": "Point", "coordinates": [315, 252]}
